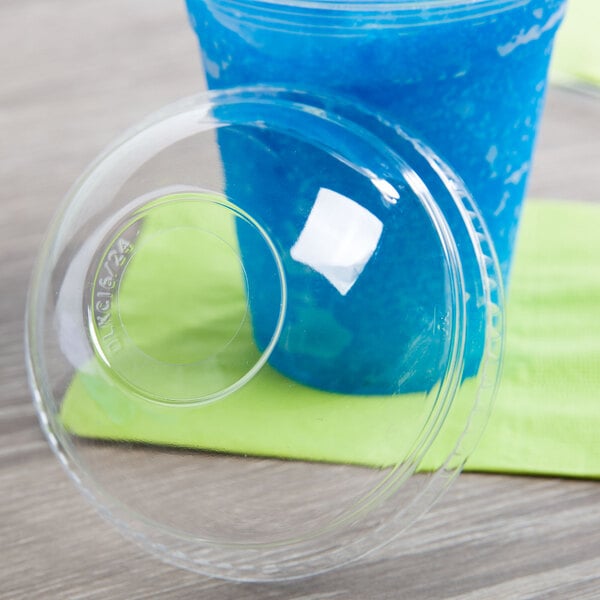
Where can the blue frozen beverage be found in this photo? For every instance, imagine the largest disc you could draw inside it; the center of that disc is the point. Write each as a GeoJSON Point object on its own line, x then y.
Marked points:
{"type": "Point", "coordinates": [467, 78]}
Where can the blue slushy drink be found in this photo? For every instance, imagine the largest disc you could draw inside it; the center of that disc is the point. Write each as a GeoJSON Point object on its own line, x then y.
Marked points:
{"type": "Point", "coordinates": [467, 78]}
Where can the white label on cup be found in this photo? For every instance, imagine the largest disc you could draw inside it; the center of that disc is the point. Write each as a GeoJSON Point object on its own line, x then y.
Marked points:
{"type": "Point", "coordinates": [338, 239]}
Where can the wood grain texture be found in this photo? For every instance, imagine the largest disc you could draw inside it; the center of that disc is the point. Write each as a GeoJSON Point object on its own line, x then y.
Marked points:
{"type": "Point", "coordinates": [74, 75]}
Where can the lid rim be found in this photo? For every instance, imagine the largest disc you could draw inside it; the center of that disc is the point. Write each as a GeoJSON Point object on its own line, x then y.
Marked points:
{"type": "Point", "coordinates": [329, 554]}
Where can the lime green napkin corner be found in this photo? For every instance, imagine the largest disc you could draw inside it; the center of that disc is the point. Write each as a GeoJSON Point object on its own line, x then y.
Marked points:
{"type": "Point", "coordinates": [547, 415]}
{"type": "Point", "coordinates": [545, 420]}
{"type": "Point", "coordinates": [576, 55]}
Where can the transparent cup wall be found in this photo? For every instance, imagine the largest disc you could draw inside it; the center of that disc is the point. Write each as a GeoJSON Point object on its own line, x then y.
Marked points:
{"type": "Point", "coordinates": [465, 78]}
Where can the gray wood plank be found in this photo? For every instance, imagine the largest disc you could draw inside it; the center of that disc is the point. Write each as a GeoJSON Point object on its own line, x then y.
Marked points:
{"type": "Point", "coordinates": [73, 76]}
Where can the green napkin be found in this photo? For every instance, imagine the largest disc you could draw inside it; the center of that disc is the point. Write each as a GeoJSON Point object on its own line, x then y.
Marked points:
{"type": "Point", "coordinates": [576, 56]}
{"type": "Point", "coordinates": [546, 418]}
{"type": "Point", "coordinates": [547, 415]}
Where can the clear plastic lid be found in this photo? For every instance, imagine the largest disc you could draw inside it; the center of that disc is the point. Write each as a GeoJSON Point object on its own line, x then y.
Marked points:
{"type": "Point", "coordinates": [264, 332]}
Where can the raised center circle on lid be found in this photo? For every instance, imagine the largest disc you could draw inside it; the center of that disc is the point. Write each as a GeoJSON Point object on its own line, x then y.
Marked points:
{"type": "Point", "coordinates": [191, 311]}
{"type": "Point", "coordinates": [168, 300]}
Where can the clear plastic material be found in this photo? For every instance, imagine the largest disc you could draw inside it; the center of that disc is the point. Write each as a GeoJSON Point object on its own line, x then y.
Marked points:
{"type": "Point", "coordinates": [177, 227]}
{"type": "Point", "coordinates": [265, 383]}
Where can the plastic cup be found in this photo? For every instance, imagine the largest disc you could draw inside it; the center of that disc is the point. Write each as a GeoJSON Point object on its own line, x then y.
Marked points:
{"type": "Point", "coordinates": [466, 79]}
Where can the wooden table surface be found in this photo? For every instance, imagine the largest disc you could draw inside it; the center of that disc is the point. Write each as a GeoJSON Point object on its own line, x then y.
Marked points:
{"type": "Point", "coordinates": [74, 75]}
